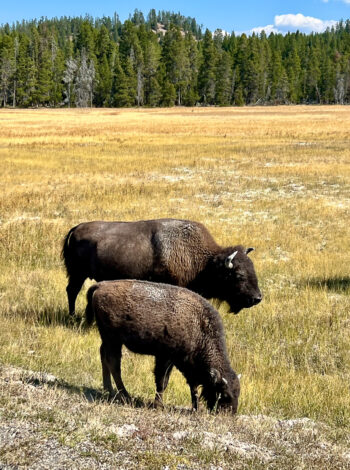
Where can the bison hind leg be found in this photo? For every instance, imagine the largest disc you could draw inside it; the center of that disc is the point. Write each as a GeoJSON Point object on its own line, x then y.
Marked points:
{"type": "Point", "coordinates": [111, 364]}
{"type": "Point", "coordinates": [75, 283]}
{"type": "Point", "coordinates": [162, 371]}
{"type": "Point", "coordinates": [106, 373]}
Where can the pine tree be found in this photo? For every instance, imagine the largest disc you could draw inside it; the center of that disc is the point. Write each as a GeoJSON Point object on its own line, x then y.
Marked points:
{"type": "Point", "coordinates": [44, 81]}
{"type": "Point", "coordinates": [282, 89]}
{"type": "Point", "coordinates": [328, 80]}
{"type": "Point", "coordinates": [293, 70]}
{"type": "Point", "coordinates": [34, 45]}
{"type": "Point", "coordinates": [155, 93]}
{"type": "Point", "coordinates": [57, 67]}
{"type": "Point", "coordinates": [313, 73]}
{"type": "Point", "coordinates": [151, 54]}
{"type": "Point", "coordinates": [131, 60]}
{"type": "Point", "coordinates": [223, 88]}
{"type": "Point", "coordinates": [15, 60]}
{"type": "Point", "coordinates": [238, 98]}
{"type": "Point", "coordinates": [252, 75]}
{"type": "Point", "coordinates": [190, 94]}
{"type": "Point", "coordinates": [206, 78]}
{"type": "Point", "coordinates": [26, 73]}
{"type": "Point", "coordinates": [152, 19]}
{"type": "Point", "coordinates": [168, 94]}
{"type": "Point", "coordinates": [6, 69]}
{"type": "Point", "coordinates": [275, 75]}
{"type": "Point", "coordinates": [120, 89]}
{"type": "Point", "coordinates": [104, 82]}
{"type": "Point", "coordinates": [103, 43]}
{"type": "Point", "coordinates": [104, 54]}
{"type": "Point", "coordinates": [240, 60]}
{"type": "Point", "coordinates": [176, 61]}
{"type": "Point", "coordinates": [116, 27]}
{"type": "Point", "coordinates": [30, 83]}
{"type": "Point", "coordinates": [85, 42]}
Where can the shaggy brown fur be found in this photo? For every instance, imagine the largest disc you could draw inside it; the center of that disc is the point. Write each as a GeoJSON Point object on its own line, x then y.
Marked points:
{"type": "Point", "coordinates": [178, 252]}
{"type": "Point", "coordinates": [173, 324]}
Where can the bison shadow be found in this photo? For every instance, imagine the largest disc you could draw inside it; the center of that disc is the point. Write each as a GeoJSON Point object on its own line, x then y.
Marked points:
{"type": "Point", "coordinates": [59, 316]}
{"type": "Point", "coordinates": [92, 395]}
{"type": "Point", "coordinates": [336, 284]}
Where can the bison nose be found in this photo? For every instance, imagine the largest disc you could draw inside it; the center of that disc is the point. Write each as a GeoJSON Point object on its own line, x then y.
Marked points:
{"type": "Point", "coordinates": [257, 299]}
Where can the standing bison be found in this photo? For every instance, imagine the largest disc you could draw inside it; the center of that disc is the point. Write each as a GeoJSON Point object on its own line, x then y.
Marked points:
{"type": "Point", "coordinates": [175, 325]}
{"type": "Point", "coordinates": [179, 252]}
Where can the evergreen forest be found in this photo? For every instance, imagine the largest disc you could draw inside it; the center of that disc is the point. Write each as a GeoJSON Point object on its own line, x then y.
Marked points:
{"type": "Point", "coordinates": [166, 59]}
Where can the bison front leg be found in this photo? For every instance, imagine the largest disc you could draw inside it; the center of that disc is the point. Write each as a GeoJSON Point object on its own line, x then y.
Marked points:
{"type": "Point", "coordinates": [162, 371]}
{"type": "Point", "coordinates": [194, 397]}
{"type": "Point", "coordinates": [111, 362]}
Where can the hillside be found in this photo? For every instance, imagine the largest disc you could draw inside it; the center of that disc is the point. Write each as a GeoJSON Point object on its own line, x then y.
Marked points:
{"type": "Point", "coordinates": [165, 60]}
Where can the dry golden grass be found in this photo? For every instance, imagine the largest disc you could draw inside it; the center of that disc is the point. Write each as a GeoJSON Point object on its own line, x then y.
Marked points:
{"type": "Point", "coordinates": [276, 178]}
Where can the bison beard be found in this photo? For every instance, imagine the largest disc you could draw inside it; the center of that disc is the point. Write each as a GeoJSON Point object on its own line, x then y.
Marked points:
{"type": "Point", "coordinates": [178, 252]}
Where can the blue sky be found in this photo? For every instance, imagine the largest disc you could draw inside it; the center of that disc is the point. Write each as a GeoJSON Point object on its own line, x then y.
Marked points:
{"type": "Point", "coordinates": [240, 16]}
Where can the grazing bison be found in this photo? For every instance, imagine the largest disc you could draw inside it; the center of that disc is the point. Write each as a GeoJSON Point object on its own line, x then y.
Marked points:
{"type": "Point", "coordinates": [175, 325]}
{"type": "Point", "coordinates": [178, 252]}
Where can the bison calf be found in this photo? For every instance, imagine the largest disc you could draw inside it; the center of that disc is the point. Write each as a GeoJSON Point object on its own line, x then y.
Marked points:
{"type": "Point", "coordinates": [175, 325]}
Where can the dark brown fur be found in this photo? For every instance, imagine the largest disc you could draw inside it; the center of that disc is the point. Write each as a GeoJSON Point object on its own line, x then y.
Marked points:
{"type": "Point", "coordinates": [175, 325]}
{"type": "Point", "coordinates": [178, 252]}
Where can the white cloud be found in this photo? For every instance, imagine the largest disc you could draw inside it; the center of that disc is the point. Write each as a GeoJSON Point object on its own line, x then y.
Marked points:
{"type": "Point", "coordinates": [303, 23]}
{"type": "Point", "coordinates": [270, 28]}
{"type": "Point", "coordinates": [284, 23]}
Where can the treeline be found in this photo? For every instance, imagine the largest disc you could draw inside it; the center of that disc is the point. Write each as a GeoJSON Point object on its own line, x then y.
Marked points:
{"type": "Point", "coordinates": [165, 60]}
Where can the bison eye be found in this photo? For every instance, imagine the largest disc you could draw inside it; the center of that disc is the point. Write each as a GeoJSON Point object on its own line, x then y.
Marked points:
{"type": "Point", "coordinates": [226, 398]}
{"type": "Point", "coordinates": [239, 276]}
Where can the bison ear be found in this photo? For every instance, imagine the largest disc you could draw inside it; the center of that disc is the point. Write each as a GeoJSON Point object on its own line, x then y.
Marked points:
{"type": "Point", "coordinates": [228, 260]}
{"type": "Point", "coordinates": [248, 250]}
{"type": "Point", "coordinates": [215, 375]}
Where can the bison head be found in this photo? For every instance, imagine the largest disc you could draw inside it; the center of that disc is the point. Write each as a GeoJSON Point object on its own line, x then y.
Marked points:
{"type": "Point", "coordinates": [235, 279]}
{"type": "Point", "coordinates": [222, 391]}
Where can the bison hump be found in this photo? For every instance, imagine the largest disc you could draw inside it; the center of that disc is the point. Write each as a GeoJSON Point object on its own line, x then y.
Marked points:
{"type": "Point", "coordinates": [182, 249]}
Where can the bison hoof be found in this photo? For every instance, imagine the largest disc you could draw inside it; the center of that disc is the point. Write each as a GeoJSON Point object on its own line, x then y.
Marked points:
{"type": "Point", "coordinates": [157, 404]}
{"type": "Point", "coordinates": [123, 397]}
{"type": "Point", "coordinates": [120, 397]}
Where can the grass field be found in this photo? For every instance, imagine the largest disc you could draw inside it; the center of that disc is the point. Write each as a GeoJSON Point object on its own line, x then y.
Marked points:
{"type": "Point", "coordinates": [274, 178]}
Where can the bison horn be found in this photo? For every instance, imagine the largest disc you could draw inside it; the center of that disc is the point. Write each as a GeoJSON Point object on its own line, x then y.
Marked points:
{"type": "Point", "coordinates": [228, 260]}
{"type": "Point", "coordinates": [239, 376]}
{"type": "Point", "coordinates": [224, 381]}
{"type": "Point", "coordinates": [248, 250]}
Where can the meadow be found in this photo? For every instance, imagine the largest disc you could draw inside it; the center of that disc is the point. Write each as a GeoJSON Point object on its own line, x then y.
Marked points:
{"type": "Point", "coordinates": [274, 178]}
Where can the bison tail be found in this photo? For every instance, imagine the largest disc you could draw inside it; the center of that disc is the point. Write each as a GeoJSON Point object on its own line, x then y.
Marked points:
{"type": "Point", "coordinates": [89, 311]}
{"type": "Point", "coordinates": [65, 254]}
